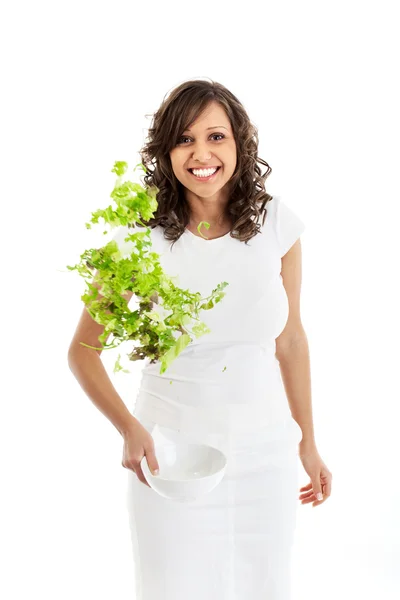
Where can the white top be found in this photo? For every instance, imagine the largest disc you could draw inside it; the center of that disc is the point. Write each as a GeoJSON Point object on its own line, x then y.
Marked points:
{"type": "Point", "coordinates": [229, 378]}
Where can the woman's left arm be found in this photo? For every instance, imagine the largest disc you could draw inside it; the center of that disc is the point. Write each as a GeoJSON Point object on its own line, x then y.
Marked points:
{"type": "Point", "coordinates": [292, 348]}
{"type": "Point", "coordinates": [293, 355]}
{"type": "Point", "coordinates": [294, 365]}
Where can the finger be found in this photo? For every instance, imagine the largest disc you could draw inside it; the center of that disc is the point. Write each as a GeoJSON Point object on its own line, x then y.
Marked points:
{"type": "Point", "coordinates": [152, 460]}
{"type": "Point", "coordinates": [311, 497]}
{"type": "Point", "coordinates": [308, 500]}
{"type": "Point", "coordinates": [306, 487]}
{"type": "Point", "coordinates": [306, 495]}
{"type": "Point", "coordinates": [137, 470]}
{"type": "Point", "coordinates": [324, 498]}
{"type": "Point", "coordinates": [327, 488]}
{"type": "Point", "coordinates": [140, 475]}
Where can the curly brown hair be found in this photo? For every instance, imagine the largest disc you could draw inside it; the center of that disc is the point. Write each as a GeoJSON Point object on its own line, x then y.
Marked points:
{"type": "Point", "coordinates": [247, 185]}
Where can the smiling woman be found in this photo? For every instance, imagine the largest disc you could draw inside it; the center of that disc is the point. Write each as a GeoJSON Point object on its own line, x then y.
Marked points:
{"type": "Point", "coordinates": [225, 388]}
{"type": "Point", "coordinates": [202, 125]}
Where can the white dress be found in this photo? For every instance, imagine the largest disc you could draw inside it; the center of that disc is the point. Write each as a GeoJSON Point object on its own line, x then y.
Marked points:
{"type": "Point", "coordinates": [235, 542]}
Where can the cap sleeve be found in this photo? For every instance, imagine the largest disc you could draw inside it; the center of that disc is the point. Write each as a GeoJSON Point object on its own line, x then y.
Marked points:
{"type": "Point", "coordinates": [288, 226]}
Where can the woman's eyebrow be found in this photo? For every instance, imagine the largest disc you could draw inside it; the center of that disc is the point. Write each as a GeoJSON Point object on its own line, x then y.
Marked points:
{"type": "Point", "coordinates": [215, 127]}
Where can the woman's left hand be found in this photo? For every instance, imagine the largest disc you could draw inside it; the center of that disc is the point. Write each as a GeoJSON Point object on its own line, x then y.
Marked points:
{"type": "Point", "coordinates": [320, 477]}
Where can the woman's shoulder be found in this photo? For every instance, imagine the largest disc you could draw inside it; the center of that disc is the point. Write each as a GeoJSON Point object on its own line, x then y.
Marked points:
{"type": "Point", "coordinates": [287, 224]}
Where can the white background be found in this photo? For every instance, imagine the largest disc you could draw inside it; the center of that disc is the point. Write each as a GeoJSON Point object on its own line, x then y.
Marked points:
{"type": "Point", "coordinates": [319, 81]}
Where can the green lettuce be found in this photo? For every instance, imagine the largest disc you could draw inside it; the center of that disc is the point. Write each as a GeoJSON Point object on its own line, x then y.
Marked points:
{"type": "Point", "coordinates": [109, 272]}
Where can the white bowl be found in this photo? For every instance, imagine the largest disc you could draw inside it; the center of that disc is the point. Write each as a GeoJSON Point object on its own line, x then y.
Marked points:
{"type": "Point", "coordinates": [187, 470]}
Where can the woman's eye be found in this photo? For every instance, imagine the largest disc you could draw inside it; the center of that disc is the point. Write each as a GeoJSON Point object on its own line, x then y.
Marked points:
{"type": "Point", "coordinates": [212, 135]}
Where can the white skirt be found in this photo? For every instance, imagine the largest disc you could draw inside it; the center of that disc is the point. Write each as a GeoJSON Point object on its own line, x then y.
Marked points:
{"type": "Point", "coordinates": [233, 543]}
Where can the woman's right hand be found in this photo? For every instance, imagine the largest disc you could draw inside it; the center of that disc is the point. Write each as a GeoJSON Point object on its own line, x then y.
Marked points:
{"type": "Point", "coordinates": [138, 443]}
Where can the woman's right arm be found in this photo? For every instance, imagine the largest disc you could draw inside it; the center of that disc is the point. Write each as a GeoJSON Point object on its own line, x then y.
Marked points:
{"type": "Point", "coordinates": [88, 369]}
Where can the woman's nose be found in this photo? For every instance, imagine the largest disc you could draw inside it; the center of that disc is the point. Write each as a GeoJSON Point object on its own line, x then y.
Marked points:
{"type": "Point", "coordinates": [201, 154]}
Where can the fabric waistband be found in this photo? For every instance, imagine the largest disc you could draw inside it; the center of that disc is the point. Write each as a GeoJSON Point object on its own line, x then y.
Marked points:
{"type": "Point", "coordinates": [225, 418]}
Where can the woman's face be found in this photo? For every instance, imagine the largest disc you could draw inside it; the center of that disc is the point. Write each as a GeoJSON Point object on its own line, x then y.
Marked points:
{"type": "Point", "coordinates": [208, 143]}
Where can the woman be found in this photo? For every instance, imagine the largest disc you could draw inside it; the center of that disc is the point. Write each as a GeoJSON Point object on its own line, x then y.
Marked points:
{"type": "Point", "coordinates": [244, 387]}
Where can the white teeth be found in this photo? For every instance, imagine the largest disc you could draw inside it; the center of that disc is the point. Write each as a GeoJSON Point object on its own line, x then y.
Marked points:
{"type": "Point", "coordinates": [206, 173]}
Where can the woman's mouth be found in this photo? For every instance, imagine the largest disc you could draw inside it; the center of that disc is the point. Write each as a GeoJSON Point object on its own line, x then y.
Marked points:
{"type": "Point", "coordinates": [204, 177]}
